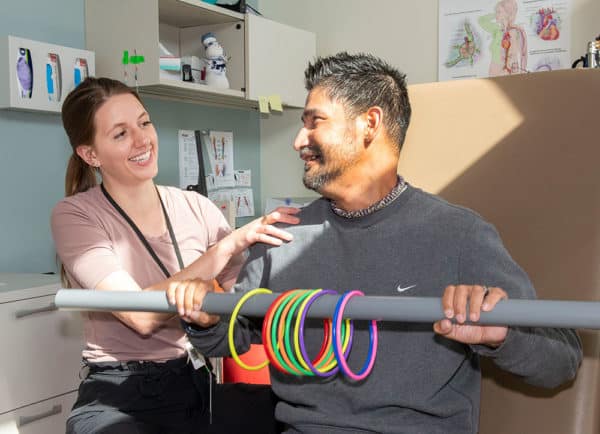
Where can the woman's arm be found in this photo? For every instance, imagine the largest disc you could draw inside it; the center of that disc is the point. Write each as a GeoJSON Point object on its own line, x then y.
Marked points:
{"type": "Point", "coordinates": [144, 323]}
{"type": "Point", "coordinates": [209, 265]}
{"type": "Point", "coordinates": [101, 270]}
{"type": "Point", "coordinates": [199, 274]}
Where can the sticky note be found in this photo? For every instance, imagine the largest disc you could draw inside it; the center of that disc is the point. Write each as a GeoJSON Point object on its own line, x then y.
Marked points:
{"type": "Point", "coordinates": [275, 101]}
{"type": "Point", "coordinates": [263, 104]}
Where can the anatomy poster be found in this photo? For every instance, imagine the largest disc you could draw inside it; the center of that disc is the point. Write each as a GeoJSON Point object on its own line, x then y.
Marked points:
{"type": "Point", "coordinates": [488, 38]}
{"type": "Point", "coordinates": [220, 157]}
{"type": "Point", "coordinates": [243, 202]}
{"type": "Point", "coordinates": [241, 199]}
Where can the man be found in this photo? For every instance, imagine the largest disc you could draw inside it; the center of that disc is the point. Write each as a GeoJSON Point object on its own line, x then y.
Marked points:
{"type": "Point", "coordinates": [374, 232]}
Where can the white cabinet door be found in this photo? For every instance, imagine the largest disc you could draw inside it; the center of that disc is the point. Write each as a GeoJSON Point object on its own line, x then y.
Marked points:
{"type": "Point", "coordinates": [115, 26]}
{"type": "Point", "coordinates": [41, 351]}
{"type": "Point", "coordinates": [276, 57]}
{"type": "Point", "coordinates": [46, 417]}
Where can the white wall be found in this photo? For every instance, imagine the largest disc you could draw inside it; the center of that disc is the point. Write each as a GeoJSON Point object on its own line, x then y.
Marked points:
{"type": "Point", "coordinates": [403, 32]}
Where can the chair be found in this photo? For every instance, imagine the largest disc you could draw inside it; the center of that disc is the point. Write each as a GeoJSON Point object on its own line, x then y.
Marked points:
{"type": "Point", "coordinates": [232, 373]}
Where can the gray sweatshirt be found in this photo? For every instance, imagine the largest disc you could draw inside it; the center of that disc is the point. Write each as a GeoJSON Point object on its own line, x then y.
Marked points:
{"type": "Point", "coordinates": [421, 382]}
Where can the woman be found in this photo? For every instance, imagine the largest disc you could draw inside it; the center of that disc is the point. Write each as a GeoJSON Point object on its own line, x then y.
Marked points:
{"type": "Point", "coordinates": [129, 234]}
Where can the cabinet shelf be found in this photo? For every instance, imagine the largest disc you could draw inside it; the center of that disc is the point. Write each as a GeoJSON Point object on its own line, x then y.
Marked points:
{"type": "Point", "coordinates": [266, 58]}
{"type": "Point", "coordinates": [198, 93]}
{"type": "Point", "coordinates": [191, 13]}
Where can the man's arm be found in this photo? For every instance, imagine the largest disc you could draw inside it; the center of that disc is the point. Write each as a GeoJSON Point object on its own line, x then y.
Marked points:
{"type": "Point", "coordinates": [212, 340]}
{"type": "Point", "coordinates": [545, 357]}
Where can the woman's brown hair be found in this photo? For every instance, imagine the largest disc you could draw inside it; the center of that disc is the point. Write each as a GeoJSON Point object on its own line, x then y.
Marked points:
{"type": "Point", "coordinates": [78, 112]}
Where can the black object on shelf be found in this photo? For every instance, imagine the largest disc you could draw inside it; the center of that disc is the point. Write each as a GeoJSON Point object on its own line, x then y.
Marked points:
{"type": "Point", "coordinates": [239, 6]}
{"type": "Point", "coordinates": [186, 72]}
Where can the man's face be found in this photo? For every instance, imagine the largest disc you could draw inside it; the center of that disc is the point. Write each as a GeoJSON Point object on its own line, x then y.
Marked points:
{"type": "Point", "coordinates": [327, 142]}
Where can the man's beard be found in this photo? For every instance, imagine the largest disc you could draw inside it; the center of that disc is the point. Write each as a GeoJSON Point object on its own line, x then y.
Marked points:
{"type": "Point", "coordinates": [317, 181]}
{"type": "Point", "coordinates": [318, 177]}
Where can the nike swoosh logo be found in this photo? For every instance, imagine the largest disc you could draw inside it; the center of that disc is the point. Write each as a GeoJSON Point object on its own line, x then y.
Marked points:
{"type": "Point", "coordinates": [400, 289]}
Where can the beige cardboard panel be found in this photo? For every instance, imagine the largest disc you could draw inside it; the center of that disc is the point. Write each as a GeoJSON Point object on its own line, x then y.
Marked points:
{"type": "Point", "coordinates": [453, 125]}
{"type": "Point", "coordinates": [523, 151]}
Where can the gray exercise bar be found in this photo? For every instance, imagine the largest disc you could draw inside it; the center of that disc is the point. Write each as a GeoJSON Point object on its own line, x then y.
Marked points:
{"type": "Point", "coordinates": [533, 313]}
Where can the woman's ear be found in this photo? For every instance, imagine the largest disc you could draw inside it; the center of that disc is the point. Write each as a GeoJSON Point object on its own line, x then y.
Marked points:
{"type": "Point", "coordinates": [87, 154]}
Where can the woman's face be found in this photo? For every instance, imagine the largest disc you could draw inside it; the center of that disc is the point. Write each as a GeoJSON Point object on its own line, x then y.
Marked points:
{"type": "Point", "coordinates": [125, 144]}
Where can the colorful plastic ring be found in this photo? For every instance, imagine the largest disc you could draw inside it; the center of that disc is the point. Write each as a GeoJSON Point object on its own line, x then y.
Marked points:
{"type": "Point", "coordinates": [232, 321]}
{"type": "Point", "coordinates": [266, 333]}
{"type": "Point", "coordinates": [337, 346]}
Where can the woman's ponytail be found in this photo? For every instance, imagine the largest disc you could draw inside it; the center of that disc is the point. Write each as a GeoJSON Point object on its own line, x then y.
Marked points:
{"type": "Point", "coordinates": [80, 176]}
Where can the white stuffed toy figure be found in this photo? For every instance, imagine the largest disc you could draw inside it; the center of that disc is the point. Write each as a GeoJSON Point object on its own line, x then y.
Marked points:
{"type": "Point", "coordinates": [215, 60]}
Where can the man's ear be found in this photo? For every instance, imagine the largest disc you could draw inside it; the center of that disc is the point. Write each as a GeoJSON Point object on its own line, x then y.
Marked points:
{"type": "Point", "coordinates": [373, 122]}
{"type": "Point", "coordinates": [87, 154]}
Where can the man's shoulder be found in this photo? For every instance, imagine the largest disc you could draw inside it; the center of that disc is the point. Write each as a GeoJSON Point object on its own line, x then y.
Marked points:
{"type": "Point", "coordinates": [434, 206]}
{"type": "Point", "coordinates": [313, 217]}
{"type": "Point", "coordinates": [313, 214]}
{"type": "Point", "coordinates": [317, 207]}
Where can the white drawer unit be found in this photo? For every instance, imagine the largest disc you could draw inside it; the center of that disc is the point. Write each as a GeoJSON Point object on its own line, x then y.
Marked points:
{"type": "Point", "coordinates": [45, 417]}
{"type": "Point", "coordinates": [41, 354]}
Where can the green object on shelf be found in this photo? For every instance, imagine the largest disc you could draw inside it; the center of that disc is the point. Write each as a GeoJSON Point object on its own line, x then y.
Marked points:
{"type": "Point", "coordinates": [134, 60]}
{"type": "Point", "coordinates": [212, 2]}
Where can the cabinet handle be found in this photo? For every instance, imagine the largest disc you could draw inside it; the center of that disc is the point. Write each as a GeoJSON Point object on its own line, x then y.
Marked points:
{"type": "Point", "coordinates": [24, 420]}
{"type": "Point", "coordinates": [26, 312]}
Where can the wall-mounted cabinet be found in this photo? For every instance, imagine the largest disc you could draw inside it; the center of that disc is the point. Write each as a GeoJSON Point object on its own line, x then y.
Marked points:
{"type": "Point", "coordinates": [37, 76]}
{"type": "Point", "coordinates": [266, 58]}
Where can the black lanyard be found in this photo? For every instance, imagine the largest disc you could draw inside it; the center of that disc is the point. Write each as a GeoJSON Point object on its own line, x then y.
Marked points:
{"type": "Point", "coordinates": [141, 236]}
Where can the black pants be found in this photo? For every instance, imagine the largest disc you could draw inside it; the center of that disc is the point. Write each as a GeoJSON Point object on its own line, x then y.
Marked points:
{"type": "Point", "coordinates": [167, 398]}
{"type": "Point", "coordinates": [141, 398]}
